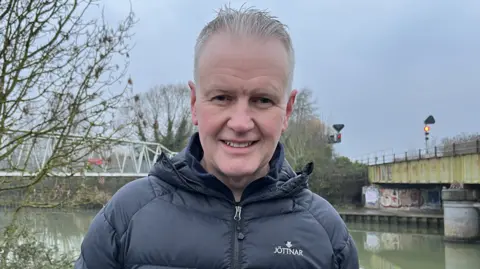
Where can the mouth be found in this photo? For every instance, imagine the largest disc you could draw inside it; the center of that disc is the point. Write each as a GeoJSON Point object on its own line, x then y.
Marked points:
{"type": "Point", "coordinates": [239, 144]}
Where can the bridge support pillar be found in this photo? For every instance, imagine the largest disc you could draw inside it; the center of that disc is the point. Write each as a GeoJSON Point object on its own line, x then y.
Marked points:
{"type": "Point", "coordinates": [461, 211]}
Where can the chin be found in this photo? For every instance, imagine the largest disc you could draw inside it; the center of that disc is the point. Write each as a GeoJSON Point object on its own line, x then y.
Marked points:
{"type": "Point", "coordinates": [238, 169]}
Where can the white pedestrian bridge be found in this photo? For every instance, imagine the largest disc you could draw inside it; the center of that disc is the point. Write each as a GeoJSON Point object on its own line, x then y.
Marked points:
{"type": "Point", "coordinates": [76, 156]}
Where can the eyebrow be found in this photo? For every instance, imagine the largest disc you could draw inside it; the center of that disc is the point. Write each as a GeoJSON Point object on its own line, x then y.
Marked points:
{"type": "Point", "coordinates": [215, 89]}
{"type": "Point", "coordinates": [229, 90]}
{"type": "Point", "coordinates": [266, 90]}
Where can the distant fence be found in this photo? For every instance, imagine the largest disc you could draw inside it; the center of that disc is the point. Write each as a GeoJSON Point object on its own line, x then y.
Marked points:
{"type": "Point", "coordinates": [439, 151]}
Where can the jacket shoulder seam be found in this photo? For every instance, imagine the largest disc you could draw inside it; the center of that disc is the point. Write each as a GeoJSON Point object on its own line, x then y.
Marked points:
{"type": "Point", "coordinates": [344, 241]}
{"type": "Point", "coordinates": [347, 242]}
{"type": "Point", "coordinates": [310, 212]}
{"type": "Point", "coordinates": [109, 223]}
{"type": "Point", "coordinates": [155, 196]}
{"type": "Point", "coordinates": [312, 196]}
{"type": "Point", "coordinates": [115, 232]}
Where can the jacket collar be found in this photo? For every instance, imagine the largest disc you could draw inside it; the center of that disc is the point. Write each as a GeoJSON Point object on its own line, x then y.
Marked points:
{"type": "Point", "coordinates": [185, 171]}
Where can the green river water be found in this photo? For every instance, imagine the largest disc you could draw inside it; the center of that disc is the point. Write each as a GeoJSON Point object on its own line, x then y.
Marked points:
{"type": "Point", "coordinates": [380, 246]}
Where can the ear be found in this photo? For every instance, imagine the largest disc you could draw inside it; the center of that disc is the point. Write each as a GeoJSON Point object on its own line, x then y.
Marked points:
{"type": "Point", "coordinates": [193, 100]}
{"type": "Point", "coordinates": [289, 109]}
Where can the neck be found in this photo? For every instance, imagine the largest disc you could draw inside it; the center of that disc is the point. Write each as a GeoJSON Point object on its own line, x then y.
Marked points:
{"type": "Point", "coordinates": [236, 184]}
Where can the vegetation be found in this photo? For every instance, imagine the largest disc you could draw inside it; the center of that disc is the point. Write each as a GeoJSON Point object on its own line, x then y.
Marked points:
{"type": "Point", "coordinates": [62, 82]}
{"type": "Point", "coordinates": [28, 252]}
{"type": "Point", "coordinates": [336, 178]}
{"type": "Point", "coordinates": [460, 144]}
{"type": "Point", "coordinates": [62, 78]}
{"type": "Point", "coordinates": [56, 81]}
{"type": "Point", "coordinates": [162, 115]}
{"type": "Point", "coordinates": [461, 138]}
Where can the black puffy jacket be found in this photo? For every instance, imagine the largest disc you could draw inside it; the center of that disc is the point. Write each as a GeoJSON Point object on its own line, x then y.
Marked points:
{"type": "Point", "coordinates": [182, 217]}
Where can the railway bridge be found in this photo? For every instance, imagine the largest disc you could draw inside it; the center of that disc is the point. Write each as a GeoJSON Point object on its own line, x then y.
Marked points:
{"type": "Point", "coordinates": [442, 178]}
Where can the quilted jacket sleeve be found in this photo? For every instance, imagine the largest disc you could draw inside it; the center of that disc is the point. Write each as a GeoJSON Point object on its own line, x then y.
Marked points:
{"type": "Point", "coordinates": [99, 248]}
{"type": "Point", "coordinates": [345, 250]}
{"type": "Point", "coordinates": [348, 256]}
{"type": "Point", "coordinates": [102, 247]}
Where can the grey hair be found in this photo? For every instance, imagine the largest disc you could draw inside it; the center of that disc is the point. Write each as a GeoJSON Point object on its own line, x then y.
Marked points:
{"type": "Point", "coordinates": [248, 21]}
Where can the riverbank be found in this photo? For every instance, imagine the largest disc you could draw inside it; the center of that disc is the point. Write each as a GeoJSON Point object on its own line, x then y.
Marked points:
{"type": "Point", "coordinates": [49, 207]}
{"type": "Point", "coordinates": [60, 192]}
{"type": "Point", "coordinates": [430, 218]}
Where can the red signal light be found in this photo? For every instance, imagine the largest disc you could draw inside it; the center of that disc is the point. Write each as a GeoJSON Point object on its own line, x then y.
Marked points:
{"type": "Point", "coordinates": [339, 136]}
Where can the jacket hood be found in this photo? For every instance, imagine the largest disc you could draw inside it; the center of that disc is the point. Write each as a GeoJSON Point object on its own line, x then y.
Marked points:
{"type": "Point", "coordinates": [184, 171]}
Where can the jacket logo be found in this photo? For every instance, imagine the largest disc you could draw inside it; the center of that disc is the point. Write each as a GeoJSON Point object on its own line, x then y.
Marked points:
{"type": "Point", "coordinates": [288, 250]}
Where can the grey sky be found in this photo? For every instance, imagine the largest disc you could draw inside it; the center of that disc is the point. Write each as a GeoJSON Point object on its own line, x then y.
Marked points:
{"type": "Point", "coordinates": [380, 67]}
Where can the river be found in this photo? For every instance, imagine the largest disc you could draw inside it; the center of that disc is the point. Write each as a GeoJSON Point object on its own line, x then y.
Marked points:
{"type": "Point", "coordinates": [379, 246]}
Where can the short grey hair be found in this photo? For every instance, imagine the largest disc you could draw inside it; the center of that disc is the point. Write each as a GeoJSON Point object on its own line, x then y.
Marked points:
{"type": "Point", "coordinates": [248, 21]}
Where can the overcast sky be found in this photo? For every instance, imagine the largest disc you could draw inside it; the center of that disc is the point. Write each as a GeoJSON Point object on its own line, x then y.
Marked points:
{"type": "Point", "coordinates": [379, 67]}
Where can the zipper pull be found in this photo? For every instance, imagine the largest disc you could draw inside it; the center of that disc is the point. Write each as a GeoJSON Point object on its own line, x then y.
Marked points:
{"type": "Point", "coordinates": [238, 213]}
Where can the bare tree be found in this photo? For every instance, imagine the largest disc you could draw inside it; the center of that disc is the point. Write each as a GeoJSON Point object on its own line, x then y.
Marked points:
{"type": "Point", "coordinates": [305, 108]}
{"type": "Point", "coordinates": [162, 115]}
{"type": "Point", "coordinates": [61, 78]}
{"type": "Point", "coordinates": [56, 78]}
{"type": "Point", "coordinates": [463, 143]}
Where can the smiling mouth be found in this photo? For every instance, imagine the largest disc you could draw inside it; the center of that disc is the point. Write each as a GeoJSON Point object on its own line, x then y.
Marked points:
{"type": "Point", "coordinates": [239, 144]}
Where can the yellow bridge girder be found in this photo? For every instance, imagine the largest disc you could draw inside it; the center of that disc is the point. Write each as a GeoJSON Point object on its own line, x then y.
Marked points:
{"type": "Point", "coordinates": [452, 169]}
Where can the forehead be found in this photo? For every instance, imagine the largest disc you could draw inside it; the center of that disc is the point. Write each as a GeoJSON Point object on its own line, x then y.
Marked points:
{"type": "Point", "coordinates": [246, 62]}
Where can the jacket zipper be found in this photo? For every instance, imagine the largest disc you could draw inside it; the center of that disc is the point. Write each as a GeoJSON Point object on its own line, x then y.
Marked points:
{"type": "Point", "coordinates": [237, 236]}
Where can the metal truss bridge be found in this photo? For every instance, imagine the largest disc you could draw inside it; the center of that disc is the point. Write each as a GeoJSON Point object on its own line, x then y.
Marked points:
{"type": "Point", "coordinates": [109, 158]}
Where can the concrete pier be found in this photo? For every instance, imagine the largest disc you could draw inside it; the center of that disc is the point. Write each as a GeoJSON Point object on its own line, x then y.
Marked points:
{"type": "Point", "coordinates": [461, 211]}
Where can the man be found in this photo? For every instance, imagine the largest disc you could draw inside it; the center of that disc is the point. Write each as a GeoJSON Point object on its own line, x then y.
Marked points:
{"type": "Point", "coordinates": [229, 199]}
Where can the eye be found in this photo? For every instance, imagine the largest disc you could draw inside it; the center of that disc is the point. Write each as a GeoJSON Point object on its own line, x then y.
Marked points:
{"type": "Point", "coordinates": [263, 102]}
{"type": "Point", "coordinates": [221, 99]}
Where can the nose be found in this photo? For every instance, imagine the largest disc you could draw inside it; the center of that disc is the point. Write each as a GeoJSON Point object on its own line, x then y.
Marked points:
{"type": "Point", "coordinates": [240, 120]}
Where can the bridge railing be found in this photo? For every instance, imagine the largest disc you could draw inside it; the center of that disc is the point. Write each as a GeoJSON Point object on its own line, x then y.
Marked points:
{"type": "Point", "coordinates": [438, 151]}
{"type": "Point", "coordinates": [84, 156]}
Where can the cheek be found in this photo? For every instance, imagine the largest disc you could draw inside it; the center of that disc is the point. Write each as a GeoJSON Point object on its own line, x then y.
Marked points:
{"type": "Point", "coordinates": [209, 121]}
{"type": "Point", "coordinates": [271, 124]}
{"type": "Point", "coordinates": [203, 113]}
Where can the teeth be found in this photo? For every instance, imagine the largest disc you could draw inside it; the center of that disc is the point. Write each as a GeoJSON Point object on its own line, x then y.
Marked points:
{"type": "Point", "coordinates": [238, 145]}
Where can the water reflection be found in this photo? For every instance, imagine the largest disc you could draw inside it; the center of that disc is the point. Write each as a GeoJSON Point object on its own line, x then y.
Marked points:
{"type": "Point", "coordinates": [61, 229]}
{"type": "Point", "coordinates": [400, 247]}
{"type": "Point", "coordinates": [380, 246]}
